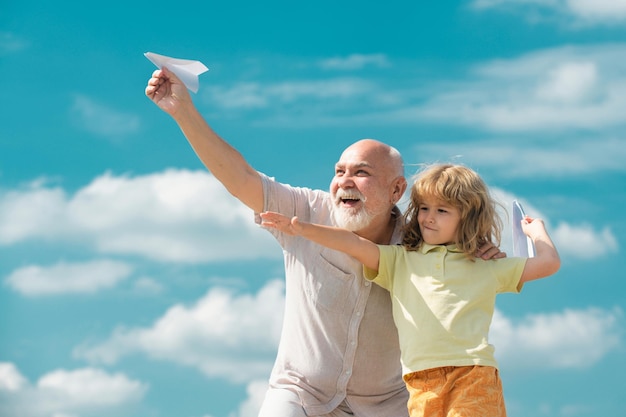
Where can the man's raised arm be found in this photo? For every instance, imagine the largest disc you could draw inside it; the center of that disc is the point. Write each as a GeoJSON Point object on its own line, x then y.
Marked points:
{"type": "Point", "coordinates": [224, 161]}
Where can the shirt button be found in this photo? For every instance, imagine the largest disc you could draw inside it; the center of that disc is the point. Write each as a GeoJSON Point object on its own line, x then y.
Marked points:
{"type": "Point", "coordinates": [367, 283]}
{"type": "Point", "coordinates": [348, 372]}
{"type": "Point", "coordinates": [358, 313]}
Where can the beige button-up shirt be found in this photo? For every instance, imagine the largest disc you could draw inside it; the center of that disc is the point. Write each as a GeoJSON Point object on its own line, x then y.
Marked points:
{"type": "Point", "coordinates": [338, 340]}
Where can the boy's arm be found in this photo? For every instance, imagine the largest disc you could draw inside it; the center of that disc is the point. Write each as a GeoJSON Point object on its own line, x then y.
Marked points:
{"type": "Point", "coordinates": [335, 238]}
{"type": "Point", "coordinates": [546, 262]}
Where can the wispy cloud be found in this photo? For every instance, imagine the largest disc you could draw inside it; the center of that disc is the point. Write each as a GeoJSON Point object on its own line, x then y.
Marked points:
{"type": "Point", "coordinates": [247, 95]}
{"type": "Point", "coordinates": [355, 62]}
{"type": "Point", "coordinates": [172, 216]}
{"type": "Point", "coordinates": [511, 156]}
{"type": "Point", "coordinates": [102, 120]}
{"type": "Point", "coordinates": [68, 393]}
{"type": "Point", "coordinates": [11, 43]}
{"type": "Point", "coordinates": [560, 89]}
{"type": "Point", "coordinates": [563, 90]}
{"type": "Point", "coordinates": [223, 335]}
{"type": "Point", "coordinates": [68, 278]}
{"type": "Point", "coordinates": [573, 13]}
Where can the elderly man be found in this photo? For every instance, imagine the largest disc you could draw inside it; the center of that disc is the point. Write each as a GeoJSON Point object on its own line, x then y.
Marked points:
{"type": "Point", "coordinates": [338, 354]}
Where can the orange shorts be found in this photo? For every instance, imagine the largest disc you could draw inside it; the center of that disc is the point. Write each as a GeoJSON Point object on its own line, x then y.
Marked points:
{"type": "Point", "coordinates": [455, 391]}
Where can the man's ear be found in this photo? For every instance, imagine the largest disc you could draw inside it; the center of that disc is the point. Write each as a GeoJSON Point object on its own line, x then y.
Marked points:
{"type": "Point", "coordinates": [398, 188]}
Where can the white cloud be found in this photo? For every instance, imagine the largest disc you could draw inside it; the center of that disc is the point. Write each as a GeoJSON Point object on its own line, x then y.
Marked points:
{"type": "Point", "coordinates": [573, 13]}
{"type": "Point", "coordinates": [172, 216]}
{"type": "Point", "coordinates": [36, 210]}
{"type": "Point", "coordinates": [569, 339]}
{"type": "Point", "coordinates": [10, 377]}
{"type": "Point", "coordinates": [68, 278]}
{"type": "Point", "coordinates": [585, 242]}
{"type": "Point", "coordinates": [598, 11]}
{"type": "Point", "coordinates": [252, 404]}
{"type": "Point", "coordinates": [68, 393]}
{"type": "Point", "coordinates": [571, 82]}
{"type": "Point", "coordinates": [560, 89]}
{"type": "Point", "coordinates": [102, 120]}
{"type": "Point", "coordinates": [223, 335]}
{"type": "Point", "coordinates": [93, 387]}
{"type": "Point", "coordinates": [355, 62]}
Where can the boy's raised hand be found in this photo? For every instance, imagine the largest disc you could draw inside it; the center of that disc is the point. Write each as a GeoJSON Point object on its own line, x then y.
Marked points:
{"type": "Point", "coordinates": [280, 222]}
{"type": "Point", "coordinates": [533, 227]}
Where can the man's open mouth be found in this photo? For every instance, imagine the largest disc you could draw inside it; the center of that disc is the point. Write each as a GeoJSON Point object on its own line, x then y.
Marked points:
{"type": "Point", "coordinates": [350, 201]}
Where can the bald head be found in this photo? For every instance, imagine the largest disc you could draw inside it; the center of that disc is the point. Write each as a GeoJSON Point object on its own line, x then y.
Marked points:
{"type": "Point", "coordinates": [385, 158]}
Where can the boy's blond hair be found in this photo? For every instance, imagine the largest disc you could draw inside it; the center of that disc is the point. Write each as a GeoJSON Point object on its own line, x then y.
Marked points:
{"type": "Point", "coordinates": [460, 187]}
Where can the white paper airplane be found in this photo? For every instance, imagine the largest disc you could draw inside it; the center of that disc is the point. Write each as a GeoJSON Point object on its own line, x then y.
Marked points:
{"type": "Point", "coordinates": [185, 69]}
{"type": "Point", "coordinates": [522, 245]}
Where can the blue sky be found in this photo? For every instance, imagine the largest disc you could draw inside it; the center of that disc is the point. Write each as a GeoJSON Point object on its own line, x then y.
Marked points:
{"type": "Point", "coordinates": [132, 284]}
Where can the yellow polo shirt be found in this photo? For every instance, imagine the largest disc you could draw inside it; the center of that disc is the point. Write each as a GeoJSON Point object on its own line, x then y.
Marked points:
{"type": "Point", "coordinates": [443, 303]}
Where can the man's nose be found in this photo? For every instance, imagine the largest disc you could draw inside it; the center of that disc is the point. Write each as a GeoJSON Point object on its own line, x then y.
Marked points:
{"type": "Point", "coordinates": [345, 181]}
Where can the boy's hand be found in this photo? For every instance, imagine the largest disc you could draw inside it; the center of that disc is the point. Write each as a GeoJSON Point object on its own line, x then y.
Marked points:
{"type": "Point", "coordinates": [280, 222]}
{"type": "Point", "coordinates": [533, 227]}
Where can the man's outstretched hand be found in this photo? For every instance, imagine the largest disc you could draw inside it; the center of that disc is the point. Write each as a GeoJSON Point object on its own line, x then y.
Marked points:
{"type": "Point", "coordinates": [167, 91]}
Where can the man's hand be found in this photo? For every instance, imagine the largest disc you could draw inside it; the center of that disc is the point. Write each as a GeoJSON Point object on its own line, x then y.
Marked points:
{"type": "Point", "coordinates": [489, 251]}
{"type": "Point", "coordinates": [167, 91]}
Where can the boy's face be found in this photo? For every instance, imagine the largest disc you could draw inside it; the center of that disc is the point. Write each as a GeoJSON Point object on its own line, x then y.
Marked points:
{"type": "Point", "coordinates": [438, 221]}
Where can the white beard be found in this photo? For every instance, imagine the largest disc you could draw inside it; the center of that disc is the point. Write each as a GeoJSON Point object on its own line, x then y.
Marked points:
{"type": "Point", "coordinates": [353, 219]}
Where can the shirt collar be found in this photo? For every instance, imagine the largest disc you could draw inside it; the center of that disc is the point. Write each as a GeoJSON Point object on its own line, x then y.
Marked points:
{"type": "Point", "coordinates": [425, 248]}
